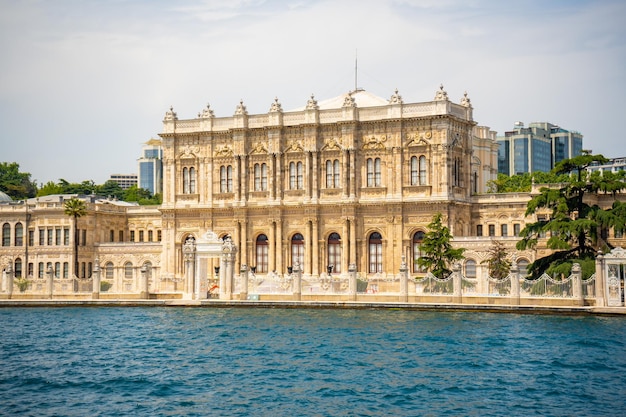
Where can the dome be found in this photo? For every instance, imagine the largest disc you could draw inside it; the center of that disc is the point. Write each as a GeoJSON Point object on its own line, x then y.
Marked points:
{"type": "Point", "coordinates": [5, 198]}
{"type": "Point", "coordinates": [361, 98]}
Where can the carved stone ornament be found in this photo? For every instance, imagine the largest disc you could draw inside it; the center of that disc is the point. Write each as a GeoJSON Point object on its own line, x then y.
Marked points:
{"type": "Point", "coordinates": [259, 148]}
{"type": "Point", "coordinates": [170, 115]}
{"type": "Point", "coordinates": [206, 113]}
{"type": "Point", "coordinates": [224, 151]}
{"type": "Point", "coordinates": [241, 109]}
{"type": "Point", "coordinates": [189, 152]}
{"type": "Point", "coordinates": [311, 104]}
{"type": "Point", "coordinates": [276, 107]}
{"type": "Point", "coordinates": [441, 95]}
{"type": "Point", "coordinates": [294, 146]}
{"type": "Point", "coordinates": [374, 143]}
{"type": "Point", "coordinates": [396, 98]}
{"type": "Point", "coordinates": [332, 145]}
{"type": "Point", "coordinates": [349, 101]}
{"type": "Point", "coordinates": [465, 101]}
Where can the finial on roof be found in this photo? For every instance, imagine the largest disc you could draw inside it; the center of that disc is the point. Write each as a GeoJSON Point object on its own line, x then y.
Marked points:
{"type": "Point", "coordinates": [349, 101]}
{"type": "Point", "coordinates": [206, 113]}
{"type": "Point", "coordinates": [441, 94]}
{"type": "Point", "coordinates": [465, 101]}
{"type": "Point", "coordinates": [396, 98]}
{"type": "Point", "coordinates": [170, 115]}
{"type": "Point", "coordinates": [311, 104]}
{"type": "Point", "coordinates": [241, 109]}
{"type": "Point", "coordinates": [276, 107]}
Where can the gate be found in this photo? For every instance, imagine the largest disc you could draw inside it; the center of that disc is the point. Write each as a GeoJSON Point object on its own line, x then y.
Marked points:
{"type": "Point", "coordinates": [614, 267]}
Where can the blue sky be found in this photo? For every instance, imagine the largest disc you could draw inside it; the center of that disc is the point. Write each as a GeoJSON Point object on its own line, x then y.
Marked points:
{"type": "Point", "coordinates": [84, 83]}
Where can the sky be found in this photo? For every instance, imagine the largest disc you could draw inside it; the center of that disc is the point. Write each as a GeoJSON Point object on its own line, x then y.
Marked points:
{"type": "Point", "coordinates": [84, 83]}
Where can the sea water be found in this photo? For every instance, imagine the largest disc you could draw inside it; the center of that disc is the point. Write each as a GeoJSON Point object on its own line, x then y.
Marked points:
{"type": "Point", "coordinates": [163, 361]}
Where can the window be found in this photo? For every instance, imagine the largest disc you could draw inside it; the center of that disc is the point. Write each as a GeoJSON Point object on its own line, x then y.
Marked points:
{"type": "Point", "coordinates": [185, 180]}
{"type": "Point", "coordinates": [470, 268]}
{"type": "Point", "coordinates": [373, 172]}
{"type": "Point", "coordinates": [475, 182]}
{"type": "Point", "coordinates": [30, 269]}
{"type": "Point", "coordinates": [504, 230]}
{"type": "Point", "coordinates": [18, 268]}
{"type": "Point", "coordinates": [57, 269]}
{"type": "Point", "coordinates": [226, 179]}
{"type": "Point", "coordinates": [332, 174]}
{"type": "Point", "coordinates": [112, 236]}
{"type": "Point", "coordinates": [108, 270]}
{"type": "Point", "coordinates": [121, 236]}
{"type": "Point", "coordinates": [6, 234]}
{"type": "Point", "coordinates": [19, 234]}
{"type": "Point", "coordinates": [82, 270]}
{"type": "Point", "coordinates": [66, 269]}
{"type": "Point", "coordinates": [492, 230]}
{"type": "Point", "coordinates": [297, 250]}
{"type": "Point", "coordinates": [334, 252]}
{"type": "Point", "coordinates": [516, 229]}
{"type": "Point", "coordinates": [50, 234]}
{"type": "Point", "coordinates": [296, 177]}
{"type": "Point", "coordinates": [457, 173]}
{"type": "Point", "coordinates": [150, 236]}
{"type": "Point", "coordinates": [423, 179]}
{"type": "Point", "coordinates": [522, 266]}
{"type": "Point", "coordinates": [141, 235]}
{"type": "Point", "coordinates": [479, 230]}
{"type": "Point", "coordinates": [84, 237]}
{"type": "Point", "coordinates": [31, 237]}
{"type": "Point", "coordinates": [158, 235]}
{"type": "Point", "coordinates": [66, 236]}
{"type": "Point", "coordinates": [57, 236]}
{"type": "Point", "coordinates": [418, 237]}
{"type": "Point", "coordinates": [618, 233]}
{"type": "Point", "coordinates": [42, 237]}
{"type": "Point", "coordinates": [128, 270]}
{"type": "Point", "coordinates": [375, 253]}
{"type": "Point", "coordinates": [40, 270]}
{"type": "Point", "coordinates": [262, 254]}
{"type": "Point", "coordinates": [192, 180]}
{"type": "Point", "coordinates": [260, 177]}
{"type": "Point", "coordinates": [89, 269]}
{"type": "Point", "coordinates": [49, 268]}
{"type": "Point", "coordinates": [414, 171]}
{"type": "Point", "coordinates": [132, 235]}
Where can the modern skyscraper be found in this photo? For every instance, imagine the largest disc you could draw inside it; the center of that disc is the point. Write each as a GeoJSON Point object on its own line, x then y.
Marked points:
{"type": "Point", "coordinates": [151, 166]}
{"type": "Point", "coordinates": [538, 147]}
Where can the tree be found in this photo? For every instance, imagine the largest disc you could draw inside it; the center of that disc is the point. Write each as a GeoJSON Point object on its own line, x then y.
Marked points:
{"type": "Point", "coordinates": [499, 265]}
{"type": "Point", "coordinates": [14, 183]}
{"type": "Point", "coordinates": [437, 251]}
{"type": "Point", "coordinates": [75, 208]}
{"type": "Point", "coordinates": [110, 189]}
{"type": "Point", "coordinates": [571, 222]}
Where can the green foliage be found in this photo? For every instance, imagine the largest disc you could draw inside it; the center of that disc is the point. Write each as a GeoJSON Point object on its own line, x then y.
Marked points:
{"type": "Point", "coordinates": [75, 208]}
{"type": "Point", "coordinates": [499, 265]}
{"type": "Point", "coordinates": [22, 284]}
{"type": "Point", "coordinates": [108, 189]}
{"type": "Point", "coordinates": [564, 269]}
{"type": "Point", "coordinates": [571, 223]}
{"type": "Point", "coordinates": [437, 251]}
{"type": "Point", "coordinates": [105, 286]}
{"type": "Point", "coordinates": [523, 182]}
{"type": "Point", "coordinates": [14, 183]}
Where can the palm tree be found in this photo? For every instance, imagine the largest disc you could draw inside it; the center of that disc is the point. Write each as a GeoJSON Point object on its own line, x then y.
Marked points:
{"type": "Point", "coordinates": [75, 208]}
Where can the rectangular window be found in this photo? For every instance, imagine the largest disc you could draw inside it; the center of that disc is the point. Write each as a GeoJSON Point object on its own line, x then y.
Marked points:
{"type": "Point", "coordinates": [112, 236]}
{"type": "Point", "coordinates": [141, 235]}
{"type": "Point", "coordinates": [492, 230]}
{"type": "Point", "coordinates": [121, 236]}
{"type": "Point", "coordinates": [504, 230]}
{"type": "Point", "coordinates": [30, 269]}
{"type": "Point", "coordinates": [66, 236]}
{"type": "Point", "coordinates": [31, 237]}
{"type": "Point", "coordinates": [66, 269]}
{"type": "Point", "coordinates": [150, 236]}
{"type": "Point", "coordinates": [618, 233]}
{"type": "Point", "coordinates": [516, 229]}
{"type": "Point", "coordinates": [479, 230]}
{"type": "Point", "coordinates": [158, 235]}
{"type": "Point", "coordinates": [50, 232]}
{"type": "Point", "coordinates": [19, 237]}
{"type": "Point", "coordinates": [40, 272]}
{"type": "Point", "coordinates": [84, 238]}
{"type": "Point", "coordinates": [57, 236]}
{"type": "Point", "coordinates": [132, 236]}
{"type": "Point", "coordinates": [42, 237]}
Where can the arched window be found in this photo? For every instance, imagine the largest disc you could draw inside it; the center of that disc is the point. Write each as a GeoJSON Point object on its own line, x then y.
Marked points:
{"type": "Point", "coordinates": [470, 268]}
{"type": "Point", "coordinates": [262, 254]}
{"type": "Point", "coordinates": [297, 250]}
{"type": "Point", "coordinates": [226, 179]}
{"type": "Point", "coordinates": [6, 234]}
{"type": "Point", "coordinates": [18, 268]}
{"type": "Point", "coordinates": [295, 176]}
{"type": "Point", "coordinates": [522, 266]}
{"type": "Point", "coordinates": [375, 245]}
{"type": "Point", "coordinates": [414, 171]}
{"type": "Point", "coordinates": [66, 269]}
{"type": "Point", "coordinates": [373, 172]}
{"type": "Point", "coordinates": [334, 252]}
{"type": "Point", "coordinates": [185, 181]}
{"type": "Point", "coordinates": [40, 270]}
{"type": "Point", "coordinates": [192, 180]}
{"type": "Point", "coordinates": [423, 171]}
{"type": "Point", "coordinates": [57, 269]}
{"type": "Point", "coordinates": [260, 177]}
{"type": "Point", "coordinates": [475, 183]}
{"type": "Point", "coordinates": [418, 237]}
{"type": "Point", "coordinates": [108, 270]}
{"type": "Point", "coordinates": [128, 270]}
{"type": "Point", "coordinates": [19, 234]}
{"type": "Point", "coordinates": [329, 174]}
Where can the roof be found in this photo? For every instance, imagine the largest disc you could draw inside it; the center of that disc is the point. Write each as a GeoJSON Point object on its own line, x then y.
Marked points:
{"type": "Point", "coordinates": [5, 198]}
{"type": "Point", "coordinates": [361, 97]}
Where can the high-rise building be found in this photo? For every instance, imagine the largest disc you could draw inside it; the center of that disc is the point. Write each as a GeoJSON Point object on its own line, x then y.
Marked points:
{"type": "Point", "coordinates": [124, 180]}
{"type": "Point", "coordinates": [151, 166]}
{"type": "Point", "coordinates": [538, 147]}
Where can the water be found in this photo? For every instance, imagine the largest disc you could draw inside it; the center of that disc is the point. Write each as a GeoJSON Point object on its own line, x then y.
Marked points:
{"type": "Point", "coordinates": [283, 362]}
